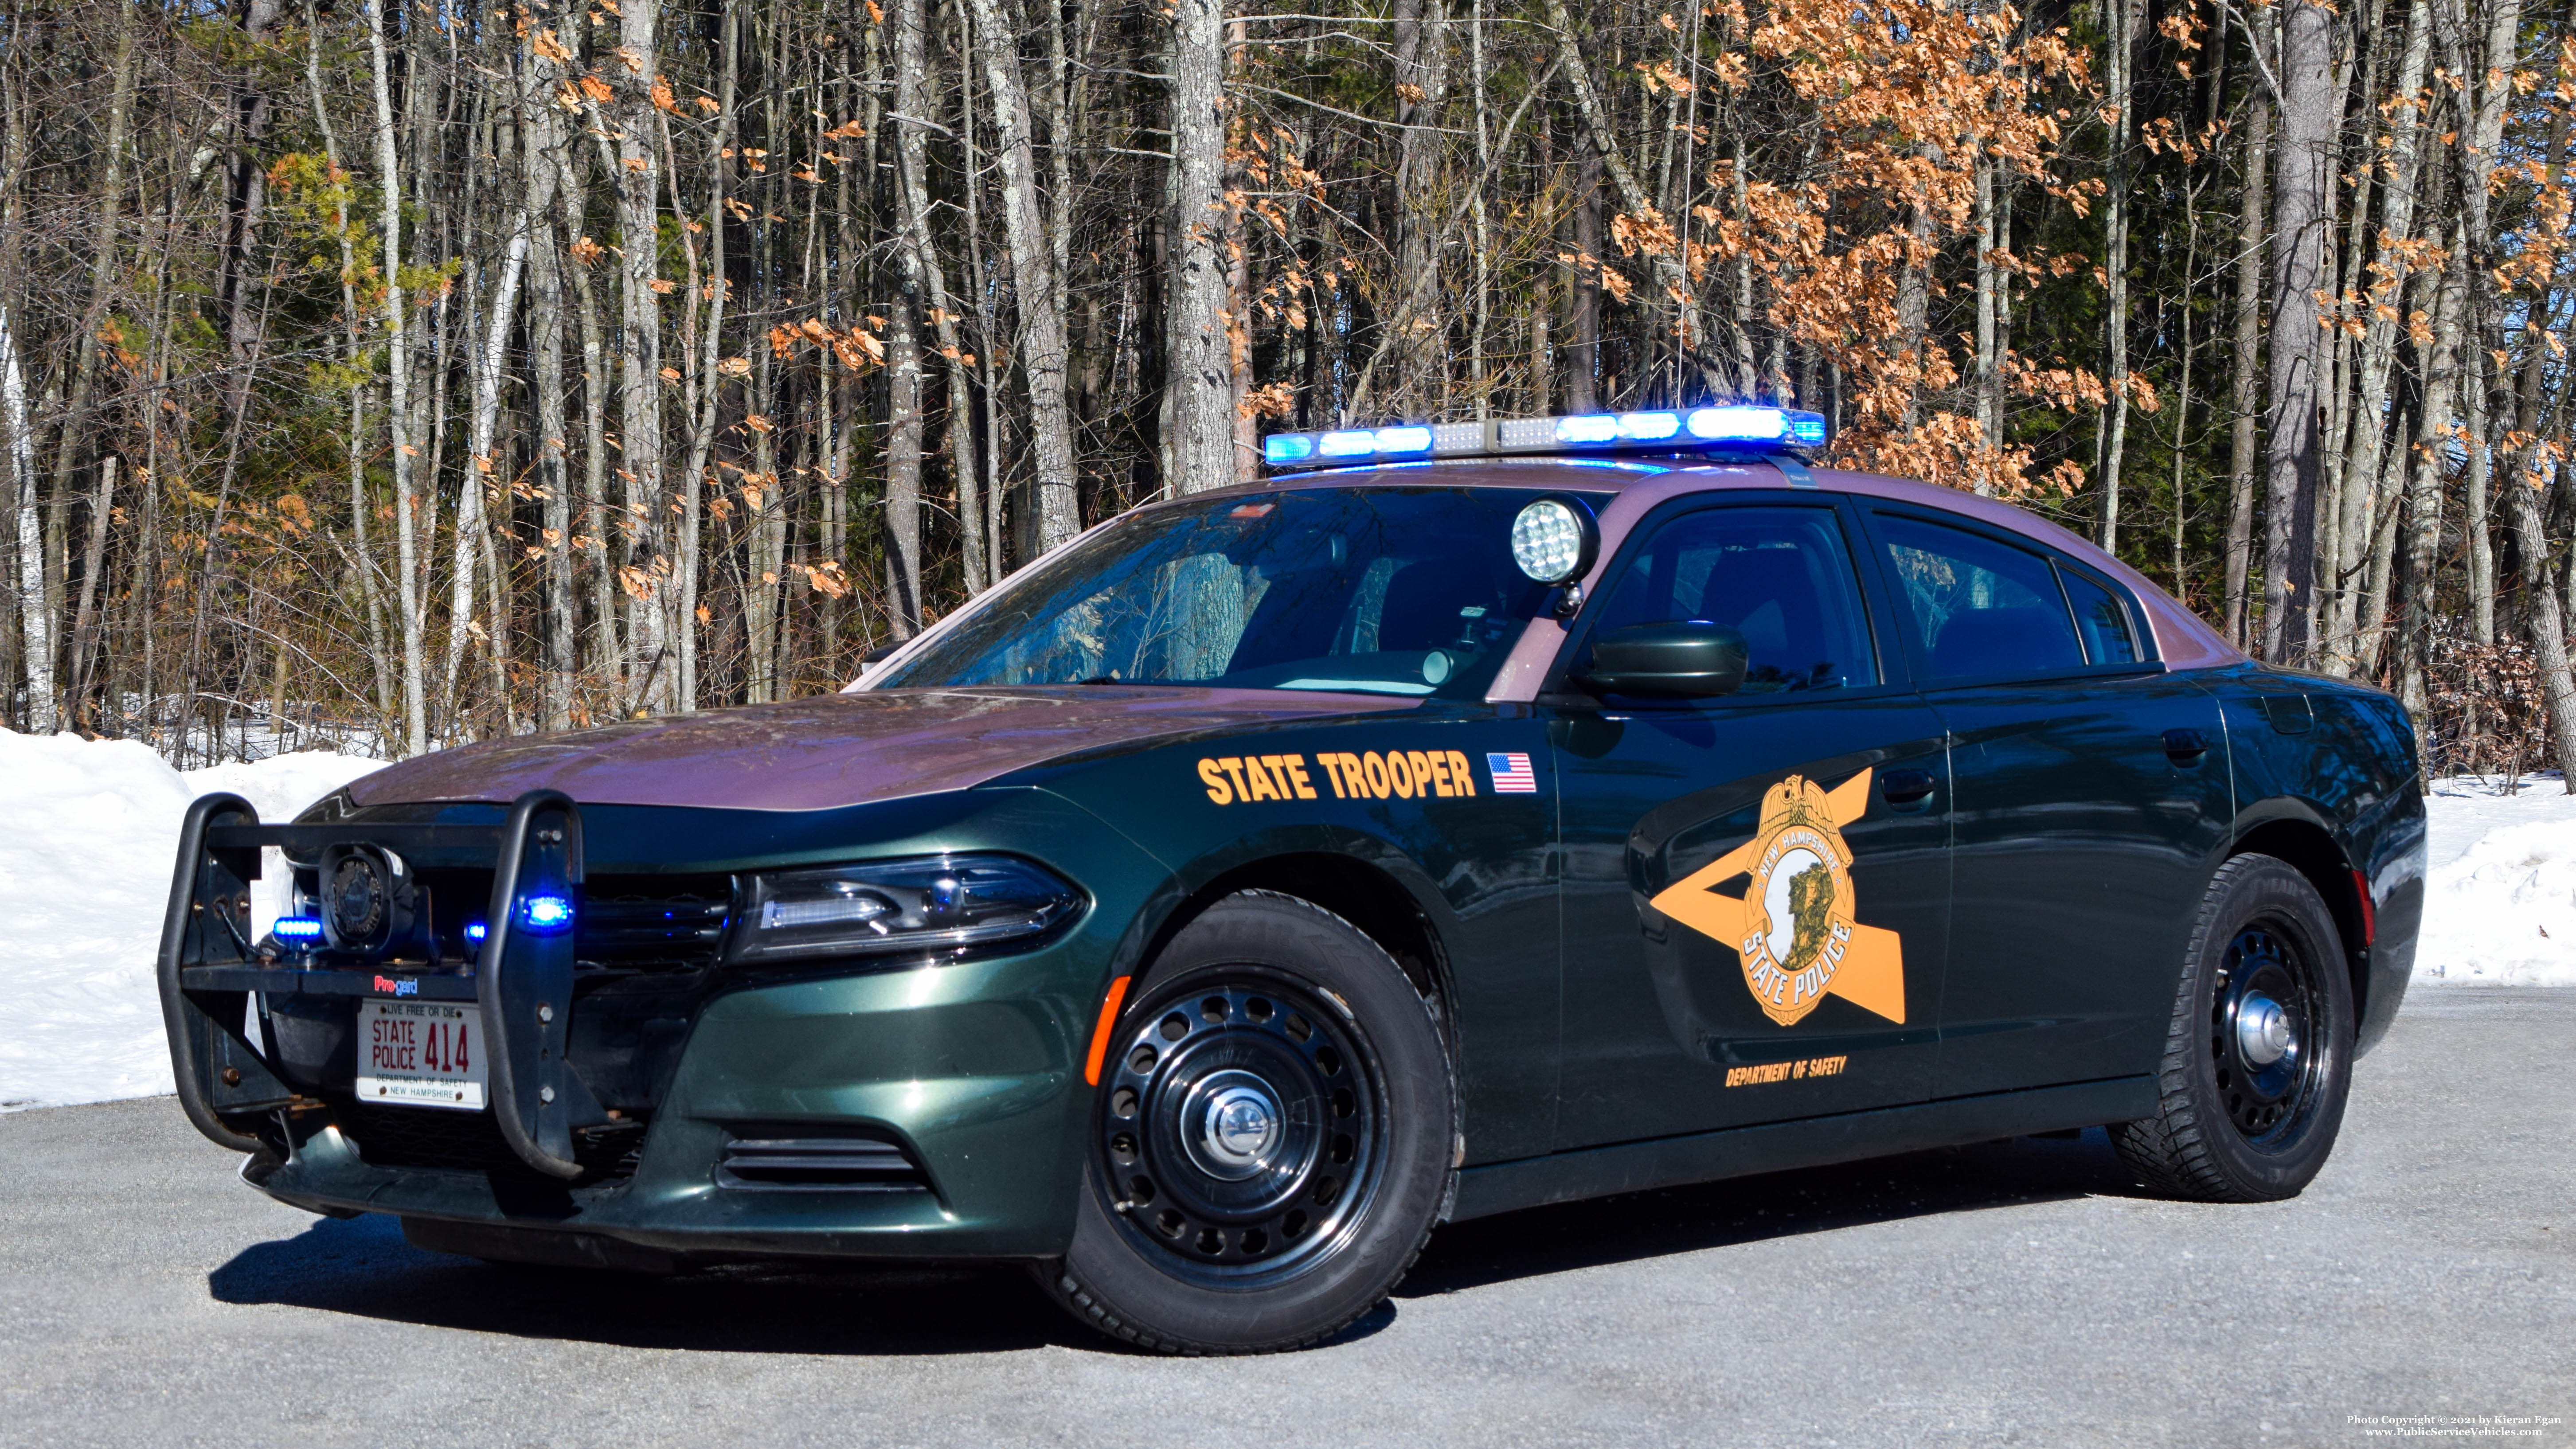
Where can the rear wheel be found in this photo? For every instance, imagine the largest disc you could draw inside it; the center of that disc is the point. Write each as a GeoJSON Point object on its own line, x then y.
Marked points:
{"type": "Point", "coordinates": [2258, 1061]}
{"type": "Point", "coordinates": [1273, 1137]}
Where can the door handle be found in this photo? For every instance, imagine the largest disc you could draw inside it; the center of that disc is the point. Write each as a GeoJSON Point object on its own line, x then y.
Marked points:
{"type": "Point", "coordinates": [1904, 789]}
{"type": "Point", "coordinates": [2186, 747]}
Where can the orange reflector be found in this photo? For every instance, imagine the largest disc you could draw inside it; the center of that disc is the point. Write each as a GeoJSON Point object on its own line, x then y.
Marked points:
{"type": "Point", "coordinates": [1100, 1033]}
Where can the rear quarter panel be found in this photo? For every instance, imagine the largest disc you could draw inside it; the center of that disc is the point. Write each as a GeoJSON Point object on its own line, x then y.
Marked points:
{"type": "Point", "coordinates": [2340, 755]}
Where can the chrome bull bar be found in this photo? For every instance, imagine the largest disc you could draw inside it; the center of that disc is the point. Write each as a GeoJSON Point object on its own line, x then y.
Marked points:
{"type": "Point", "coordinates": [209, 968]}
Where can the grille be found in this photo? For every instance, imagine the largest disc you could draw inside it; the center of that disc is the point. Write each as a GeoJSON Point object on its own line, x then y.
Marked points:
{"type": "Point", "coordinates": [760, 1157]}
{"type": "Point", "coordinates": [654, 923]}
{"type": "Point", "coordinates": [471, 1142]}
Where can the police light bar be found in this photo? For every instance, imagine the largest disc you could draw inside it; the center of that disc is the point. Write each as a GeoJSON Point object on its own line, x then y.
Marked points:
{"type": "Point", "coordinates": [1758, 429]}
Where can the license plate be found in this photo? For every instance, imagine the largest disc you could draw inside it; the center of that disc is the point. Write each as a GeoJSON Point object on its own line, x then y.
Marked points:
{"type": "Point", "coordinates": [420, 1054]}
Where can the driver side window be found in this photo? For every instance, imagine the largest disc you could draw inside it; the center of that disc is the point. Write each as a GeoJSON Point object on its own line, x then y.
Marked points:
{"type": "Point", "coordinates": [1780, 576]}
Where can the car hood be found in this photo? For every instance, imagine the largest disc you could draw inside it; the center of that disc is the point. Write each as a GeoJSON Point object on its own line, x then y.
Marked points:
{"type": "Point", "coordinates": [837, 749]}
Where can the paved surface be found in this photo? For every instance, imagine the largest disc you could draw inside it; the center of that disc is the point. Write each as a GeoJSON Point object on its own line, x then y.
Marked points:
{"type": "Point", "coordinates": [2017, 1293]}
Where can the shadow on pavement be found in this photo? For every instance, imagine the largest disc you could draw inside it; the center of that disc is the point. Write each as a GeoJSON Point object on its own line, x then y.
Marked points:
{"type": "Point", "coordinates": [1625, 1229]}
{"type": "Point", "coordinates": [363, 1267]}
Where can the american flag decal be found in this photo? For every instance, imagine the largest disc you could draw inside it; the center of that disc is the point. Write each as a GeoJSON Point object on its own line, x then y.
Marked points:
{"type": "Point", "coordinates": [1512, 774]}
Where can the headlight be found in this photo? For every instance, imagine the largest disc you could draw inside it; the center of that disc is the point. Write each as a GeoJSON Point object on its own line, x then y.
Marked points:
{"type": "Point", "coordinates": [937, 904]}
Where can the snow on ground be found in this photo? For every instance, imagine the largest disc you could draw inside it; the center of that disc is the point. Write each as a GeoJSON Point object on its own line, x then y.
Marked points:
{"type": "Point", "coordinates": [89, 830]}
{"type": "Point", "coordinates": [2500, 888]}
{"type": "Point", "coordinates": [89, 834]}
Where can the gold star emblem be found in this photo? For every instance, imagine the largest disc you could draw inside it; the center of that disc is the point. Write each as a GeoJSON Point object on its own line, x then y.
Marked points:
{"type": "Point", "coordinates": [1792, 929]}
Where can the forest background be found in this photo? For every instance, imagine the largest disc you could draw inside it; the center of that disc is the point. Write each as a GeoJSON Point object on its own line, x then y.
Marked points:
{"type": "Point", "coordinates": [388, 375]}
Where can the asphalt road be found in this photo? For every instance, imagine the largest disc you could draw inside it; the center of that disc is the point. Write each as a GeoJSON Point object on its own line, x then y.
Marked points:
{"type": "Point", "coordinates": [2015, 1293]}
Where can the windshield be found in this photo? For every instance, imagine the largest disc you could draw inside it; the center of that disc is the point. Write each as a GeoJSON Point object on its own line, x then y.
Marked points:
{"type": "Point", "coordinates": [1406, 591]}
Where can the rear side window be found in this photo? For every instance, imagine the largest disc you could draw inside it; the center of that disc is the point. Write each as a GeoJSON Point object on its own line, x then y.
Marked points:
{"type": "Point", "coordinates": [1979, 607]}
{"type": "Point", "coordinates": [2100, 619]}
{"type": "Point", "coordinates": [1779, 575]}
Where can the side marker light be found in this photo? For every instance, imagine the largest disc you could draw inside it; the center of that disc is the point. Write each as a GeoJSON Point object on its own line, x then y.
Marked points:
{"type": "Point", "coordinates": [1100, 1033]}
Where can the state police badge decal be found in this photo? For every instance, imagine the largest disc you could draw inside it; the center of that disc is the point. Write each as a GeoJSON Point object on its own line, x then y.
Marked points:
{"type": "Point", "coordinates": [1793, 928]}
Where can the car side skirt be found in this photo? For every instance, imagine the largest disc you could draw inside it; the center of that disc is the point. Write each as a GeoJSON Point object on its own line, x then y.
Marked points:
{"type": "Point", "coordinates": [1805, 1142]}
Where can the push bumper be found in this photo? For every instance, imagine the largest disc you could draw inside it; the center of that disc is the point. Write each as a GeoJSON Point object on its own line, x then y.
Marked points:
{"type": "Point", "coordinates": [965, 1078]}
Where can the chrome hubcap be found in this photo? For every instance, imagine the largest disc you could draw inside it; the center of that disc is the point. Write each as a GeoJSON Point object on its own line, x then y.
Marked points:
{"type": "Point", "coordinates": [2262, 1031]}
{"type": "Point", "coordinates": [1238, 1125]}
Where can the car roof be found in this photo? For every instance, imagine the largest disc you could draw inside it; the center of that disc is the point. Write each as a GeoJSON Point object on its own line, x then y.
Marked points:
{"type": "Point", "coordinates": [1639, 485]}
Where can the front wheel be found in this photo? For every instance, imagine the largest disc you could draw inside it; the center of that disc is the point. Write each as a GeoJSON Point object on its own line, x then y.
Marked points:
{"type": "Point", "coordinates": [2258, 1061]}
{"type": "Point", "coordinates": [1273, 1138]}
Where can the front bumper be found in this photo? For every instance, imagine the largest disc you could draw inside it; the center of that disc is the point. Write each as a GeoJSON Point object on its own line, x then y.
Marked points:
{"type": "Point", "coordinates": [974, 1070]}
{"type": "Point", "coordinates": [971, 1071]}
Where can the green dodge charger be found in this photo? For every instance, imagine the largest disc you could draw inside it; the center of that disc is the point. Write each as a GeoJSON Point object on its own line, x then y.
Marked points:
{"type": "Point", "coordinates": [1467, 817]}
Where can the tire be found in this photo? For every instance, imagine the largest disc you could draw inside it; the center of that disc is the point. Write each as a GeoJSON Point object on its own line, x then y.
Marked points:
{"type": "Point", "coordinates": [1276, 1124]}
{"type": "Point", "coordinates": [2233, 1126]}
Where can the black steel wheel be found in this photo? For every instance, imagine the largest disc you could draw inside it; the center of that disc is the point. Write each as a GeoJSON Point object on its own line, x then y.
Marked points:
{"type": "Point", "coordinates": [2258, 1061]}
{"type": "Point", "coordinates": [1243, 1130]}
{"type": "Point", "coordinates": [1272, 1140]}
{"type": "Point", "coordinates": [2262, 1014]}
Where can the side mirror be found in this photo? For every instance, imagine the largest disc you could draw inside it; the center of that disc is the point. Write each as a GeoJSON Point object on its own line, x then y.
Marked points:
{"type": "Point", "coordinates": [1692, 659]}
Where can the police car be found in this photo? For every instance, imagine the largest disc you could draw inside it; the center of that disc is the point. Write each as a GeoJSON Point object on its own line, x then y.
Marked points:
{"type": "Point", "coordinates": [1464, 818]}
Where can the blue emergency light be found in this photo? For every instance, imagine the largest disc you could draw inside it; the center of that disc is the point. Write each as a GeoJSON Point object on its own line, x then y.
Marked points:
{"type": "Point", "coordinates": [546, 915]}
{"type": "Point", "coordinates": [297, 928]}
{"type": "Point", "coordinates": [1716, 429]}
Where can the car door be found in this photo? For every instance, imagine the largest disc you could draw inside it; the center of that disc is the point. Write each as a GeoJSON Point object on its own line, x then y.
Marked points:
{"type": "Point", "coordinates": [1754, 887]}
{"type": "Point", "coordinates": [2090, 795]}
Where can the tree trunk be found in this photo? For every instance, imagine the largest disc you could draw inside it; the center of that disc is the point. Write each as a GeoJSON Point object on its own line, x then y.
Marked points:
{"type": "Point", "coordinates": [1198, 386]}
{"type": "Point", "coordinates": [918, 246]}
{"type": "Point", "coordinates": [2366, 442]}
{"type": "Point", "coordinates": [1583, 296]}
{"type": "Point", "coordinates": [246, 198]}
{"type": "Point", "coordinates": [2121, 49]}
{"type": "Point", "coordinates": [2302, 223]}
{"type": "Point", "coordinates": [93, 558]}
{"type": "Point", "coordinates": [2424, 487]}
{"type": "Point", "coordinates": [1040, 344]}
{"type": "Point", "coordinates": [407, 534]}
{"type": "Point", "coordinates": [647, 577]}
{"type": "Point", "coordinates": [2242, 396]}
{"type": "Point", "coordinates": [2489, 62]}
{"type": "Point", "coordinates": [35, 622]}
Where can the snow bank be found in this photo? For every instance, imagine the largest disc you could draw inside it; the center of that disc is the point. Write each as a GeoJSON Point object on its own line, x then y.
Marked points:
{"type": "Point", "coordinates": [89, 832]}
{"type": "Point", "coordinates": [2500, 894]}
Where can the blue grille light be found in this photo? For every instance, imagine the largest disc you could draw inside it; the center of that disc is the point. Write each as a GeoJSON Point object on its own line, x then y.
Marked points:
{"type": "Point", "coordinates": [475, 931]}
{"type": "Point", "coordinates": [297, 928]}
{"type": "Point", "coordinates": [546, 914]}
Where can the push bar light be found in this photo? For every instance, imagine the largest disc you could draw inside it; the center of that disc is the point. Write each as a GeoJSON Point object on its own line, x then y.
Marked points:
{"type": "Point", "coordinates": [1760, 429]}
